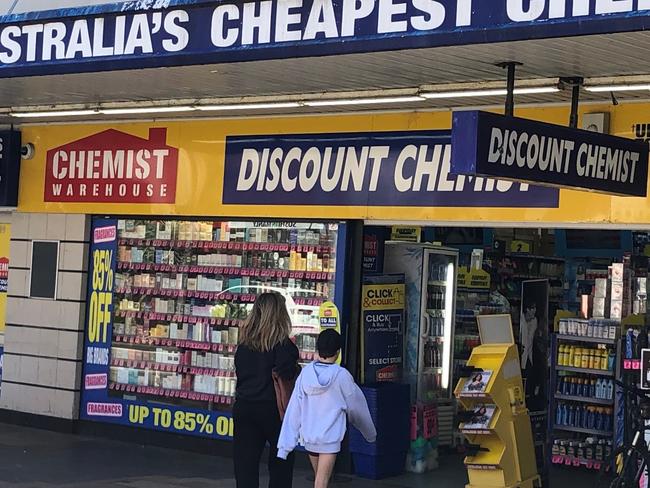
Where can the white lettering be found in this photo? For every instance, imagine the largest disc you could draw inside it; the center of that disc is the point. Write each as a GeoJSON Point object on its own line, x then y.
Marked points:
{"type": "Point", "coordinates": [178, 32]}
{"type": "Point", "coordinates": [284, 19]}
{"type": "Point", "coordinates": [517, 12]}
{"type": "Point", "coordinates": [387, 10]}
{"type": "Point", "coordinates": [222, 37]}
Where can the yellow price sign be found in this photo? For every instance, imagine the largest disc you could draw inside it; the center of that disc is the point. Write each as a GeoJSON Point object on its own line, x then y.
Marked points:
{"type": "Point", "coordinates": [520, 247]}
{"type": "Point", "coordinates": [475, 278]}
{"type": "Point", "coordinates": [329, 318]}
{"type": "Point", "coordinates": [407, 234]}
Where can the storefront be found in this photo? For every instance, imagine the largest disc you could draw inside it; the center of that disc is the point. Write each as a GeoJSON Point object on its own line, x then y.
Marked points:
{"type": "Point", "coordinates": [191, 219]}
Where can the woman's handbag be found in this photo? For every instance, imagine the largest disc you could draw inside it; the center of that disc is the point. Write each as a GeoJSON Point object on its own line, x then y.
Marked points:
{"type": "Point", "coordinates": [284, 389]}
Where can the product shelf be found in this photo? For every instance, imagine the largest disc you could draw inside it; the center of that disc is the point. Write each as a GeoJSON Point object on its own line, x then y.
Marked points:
{"type": "Point", "coordinates": [227, 245]}
{"type": "Point", "coordinates": [590, 400]}
{"type": "Point", "coordinates": [580, 430]}
{"type": "Point", "coordinates": [169, 368]}
{"type": "Point", "coordinates": [593, 340]}
{"type": "Point", "coordinates": [597, 372]}
{"type": "Point", "coordinates": [227, 271]}
{"type": "Point", "coordinates": [576, 462]}
{"type": "Point", "coordinates": [177, 343]}
{"type": "Point", "coordinates": [181, 319]}
{"type": "Point", "coordinates": [167, 393]}
{"type": "Point", "coordinates": [202, 295]}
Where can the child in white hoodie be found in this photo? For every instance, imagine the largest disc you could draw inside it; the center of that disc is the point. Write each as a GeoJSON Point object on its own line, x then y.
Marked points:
{"type": "Point", "coordinates": [324, 395]}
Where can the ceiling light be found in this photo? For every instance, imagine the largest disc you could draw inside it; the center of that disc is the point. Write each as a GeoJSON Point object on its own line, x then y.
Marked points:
{"type": "Point", "coordinates": [58, 113]}
{"type": "Point", "coordinates": [494, 92]}
{"type": "Point", "coordinates": [611, 88]}
{"type": "Point", "coordinates": [249, 106]}
{"type": "Point", "coordinates": [361, 101]}
{"type": "Point", "coordinates": [145, 110]}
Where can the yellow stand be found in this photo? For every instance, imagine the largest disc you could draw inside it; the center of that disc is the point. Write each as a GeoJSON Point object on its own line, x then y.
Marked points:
{"type": "Point", "coordinates": [506, 433]}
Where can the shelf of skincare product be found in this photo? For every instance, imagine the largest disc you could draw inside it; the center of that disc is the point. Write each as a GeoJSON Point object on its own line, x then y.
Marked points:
{"type": "Point", "coordinates": [183, 289]}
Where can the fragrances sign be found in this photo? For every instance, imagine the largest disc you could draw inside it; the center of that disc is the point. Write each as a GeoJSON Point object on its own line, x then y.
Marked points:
{"type": "Point", "coordinates": [518, 149]}
{"type": "Point", "coordinates": [113, 167]}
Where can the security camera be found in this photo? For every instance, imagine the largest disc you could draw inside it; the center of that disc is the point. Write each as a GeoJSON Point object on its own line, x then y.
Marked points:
{"type": "Point", "coordinates": [27, 151]}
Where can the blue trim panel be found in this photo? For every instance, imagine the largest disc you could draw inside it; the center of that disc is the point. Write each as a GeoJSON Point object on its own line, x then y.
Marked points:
{"type": "Point", "coordinates": [490, 24]}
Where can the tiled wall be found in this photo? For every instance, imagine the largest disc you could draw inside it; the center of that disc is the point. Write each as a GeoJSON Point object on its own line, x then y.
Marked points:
{"type": "Point", "coordinates": [44, 338]}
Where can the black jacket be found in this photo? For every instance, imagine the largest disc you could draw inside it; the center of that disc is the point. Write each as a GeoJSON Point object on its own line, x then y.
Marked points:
{"type": "Point", "coordinates": [254, 368]}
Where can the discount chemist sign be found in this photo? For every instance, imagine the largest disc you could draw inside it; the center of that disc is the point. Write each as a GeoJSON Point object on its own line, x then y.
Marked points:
{"type": "Point", "coordinates": [263, 29]}
{"type": "Point", "coordinates": [518, 149]}
{"type": "Point", "coordinates": [375, 169]}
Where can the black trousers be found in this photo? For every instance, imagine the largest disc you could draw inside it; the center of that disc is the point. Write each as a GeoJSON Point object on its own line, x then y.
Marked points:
{"type": "Point", "coordinates": [256, 424]}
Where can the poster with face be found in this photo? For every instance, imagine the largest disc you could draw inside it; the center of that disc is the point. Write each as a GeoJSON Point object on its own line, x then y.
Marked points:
{"type": "Point", "coordinates": [482, 417]}
{"type": "Point", "coordinates": [534, 328]}
{"type": "Point", "coordinates": [533, 342]}
{"type": "Point", "coordinates": [476, 384]}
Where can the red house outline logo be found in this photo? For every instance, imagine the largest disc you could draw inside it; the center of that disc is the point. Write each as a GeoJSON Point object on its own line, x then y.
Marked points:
{"type": "Point", "coordinates": [113, 167]}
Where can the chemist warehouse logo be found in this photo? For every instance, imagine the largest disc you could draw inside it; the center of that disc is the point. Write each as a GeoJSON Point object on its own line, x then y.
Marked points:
{"type": "Point", "coordinates": [113, 167]}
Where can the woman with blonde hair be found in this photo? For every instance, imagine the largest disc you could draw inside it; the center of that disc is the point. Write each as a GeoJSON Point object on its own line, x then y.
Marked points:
{"type": "Point", "coordinates": [264, 347]}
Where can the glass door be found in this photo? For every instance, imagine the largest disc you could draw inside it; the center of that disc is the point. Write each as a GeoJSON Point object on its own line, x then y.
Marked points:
{"type": "Point", "coordinates": [438, 302]}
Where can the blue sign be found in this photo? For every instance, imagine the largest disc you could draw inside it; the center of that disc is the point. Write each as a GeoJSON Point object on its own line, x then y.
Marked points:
{"type": "Point", "coordinates": [382, 302]}
{"type": "Point", "coordinates": [517, 149]}
{"type": "Point", "coordinates": [115, 36]}
{"type": "Point", "coordinates": [363, 169]}
{"type": "Point", "coordinates": [102, 398]}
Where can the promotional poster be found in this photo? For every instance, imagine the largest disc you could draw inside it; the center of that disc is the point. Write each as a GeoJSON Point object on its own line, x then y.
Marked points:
{"type": "Point", "coordinates": [533, 347]}
{"type": "Point", "coordinates": [383, 328]}
{"type": "Point", "coordinates": [103, 398]}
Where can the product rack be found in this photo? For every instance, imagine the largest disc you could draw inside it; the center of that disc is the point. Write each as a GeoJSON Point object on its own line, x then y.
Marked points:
{"type": "Point", "coordinates": [501, 451]}
{"type": "Point", "coordinates": [578, 434]}
{"type": "Point", "coordinates": [160, 302]}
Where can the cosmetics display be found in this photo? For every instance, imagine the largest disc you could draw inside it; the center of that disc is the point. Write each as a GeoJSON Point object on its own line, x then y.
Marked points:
{"type": "Point", "coordinates": [183, 289]}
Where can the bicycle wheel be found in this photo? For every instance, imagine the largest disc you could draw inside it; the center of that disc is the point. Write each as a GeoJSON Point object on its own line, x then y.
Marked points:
{"type": "Point", "coordinates": [627, 466]}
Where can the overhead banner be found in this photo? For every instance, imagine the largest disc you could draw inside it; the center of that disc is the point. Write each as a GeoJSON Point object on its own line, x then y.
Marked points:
{"type": "Point", "coordinates": [36, 39]}
{"type": "Point", "coordinates": [408, 168]}
{"type": "Point", "coordinates": [512, 148]}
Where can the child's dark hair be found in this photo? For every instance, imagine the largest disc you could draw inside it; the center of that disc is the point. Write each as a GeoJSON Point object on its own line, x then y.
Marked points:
{"type": "Point", "coordinates": [329, 343]}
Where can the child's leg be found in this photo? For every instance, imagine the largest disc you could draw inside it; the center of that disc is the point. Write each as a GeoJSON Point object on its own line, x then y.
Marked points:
{"type": "Point", "coordinates": [325, 468]}
{"type": "Point", "coordinates": [313, 459]}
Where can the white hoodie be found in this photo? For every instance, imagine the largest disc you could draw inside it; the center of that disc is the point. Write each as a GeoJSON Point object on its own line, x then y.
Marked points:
{"type": "Point", "coordinates": [316, 416]}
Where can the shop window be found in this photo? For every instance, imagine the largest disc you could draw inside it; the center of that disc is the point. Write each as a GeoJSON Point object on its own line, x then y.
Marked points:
{"type": "Point", "coordinates": [44, 269]}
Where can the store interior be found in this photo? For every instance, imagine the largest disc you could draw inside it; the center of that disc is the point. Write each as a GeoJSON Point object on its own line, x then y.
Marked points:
{"type": "Point", "coordinates": [581, 297]}
{"type": "Point", "coordinates": [183, 287]}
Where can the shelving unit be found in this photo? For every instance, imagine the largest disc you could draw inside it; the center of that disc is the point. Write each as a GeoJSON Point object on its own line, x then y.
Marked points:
{"type": "Point", "coordinates": [577, 433]}
{"type": "Point", "coordinates": [183, 288]}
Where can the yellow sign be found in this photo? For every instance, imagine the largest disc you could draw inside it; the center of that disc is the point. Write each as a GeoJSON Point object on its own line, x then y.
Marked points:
{"type": "Point", "coordinates": [382, 297]}
{"type": "Point", "coordinates": [475, 278]}
{"type": "Point", "coordinates": [520, 247]}
{"type": "Point", "coordinates": [199, 148]}
{"type": "Point", "coordinates": [5, 240]}
{"type": "Point", "coordinates": [329, 317]}
{"type": "Point", "coordinates": [407, 234]}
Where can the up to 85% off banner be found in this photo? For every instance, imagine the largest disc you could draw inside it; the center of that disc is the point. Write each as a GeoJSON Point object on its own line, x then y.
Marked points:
{"type": "Point", "coordinates": [101, 297]}
{"type": "Point", "coordinates": [204, 424]}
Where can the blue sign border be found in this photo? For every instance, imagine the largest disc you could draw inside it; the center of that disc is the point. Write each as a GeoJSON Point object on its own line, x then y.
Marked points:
{"type": "Point", "coordinates": [490, 24]}
{"type": "Point", "coordinates": [386, 193]}
{"type": "Point", "coordinates": [475, 136]}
